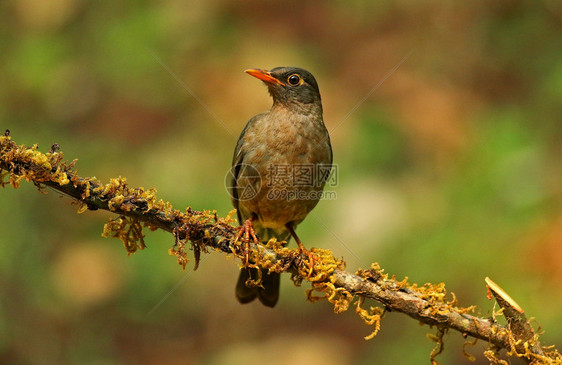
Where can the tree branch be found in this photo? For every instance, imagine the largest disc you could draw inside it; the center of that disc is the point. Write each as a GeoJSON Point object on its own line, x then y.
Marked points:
{"type": "Point", "coordinates": [139, 207]}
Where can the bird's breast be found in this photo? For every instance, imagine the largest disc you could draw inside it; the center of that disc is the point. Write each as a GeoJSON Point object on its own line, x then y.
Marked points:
{"type": "Point", "coordinates": [291, 156]}
{"type": "Point", "coordinates": [282, 139]}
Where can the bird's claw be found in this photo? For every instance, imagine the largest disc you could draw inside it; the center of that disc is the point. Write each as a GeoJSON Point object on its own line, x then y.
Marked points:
{"type": "Point", "coordinates": [312, 259]}
{"type": "Point", "coordinates": [246, 230]}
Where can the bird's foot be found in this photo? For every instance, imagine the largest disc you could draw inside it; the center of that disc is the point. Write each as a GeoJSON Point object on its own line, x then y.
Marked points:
{"type": "Point", "coordinates": [312, 258]}
{"type": "Point", "coordinates": [245, 232]}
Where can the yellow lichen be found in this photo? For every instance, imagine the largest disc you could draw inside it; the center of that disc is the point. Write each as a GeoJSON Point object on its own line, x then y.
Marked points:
{"type": "Point", "coordinates": [201, 228]}
{"type": "Point", "coordinates": [339, 297]}
{"type": "Point", "coordinates": [436, 296]}
{"type": "Point", "coordinates": [552, 357]}
{"type": "Point", "coordinates": [181, 256]}
{"type": "Point", "coordinates": [439, 346]}
{"type": "Point", "coordinates": [430, 292]}
{"type": "Point", "coordinates": [82, 208]}
{"type": "Point", "coordinates": [372, 317]}
{"type": "Point", "coordinates": [374, 273]}
{"type": "Point", "coordinates": [32, 165]}
{"type": "Point", "coordinates": [324, 267]}
{"type": "Point", "coordinates": [492, 356]}
{"type": "Point", "coordinates": [465, 352]}
{"type": "Point", "coordinates": [128, 230]}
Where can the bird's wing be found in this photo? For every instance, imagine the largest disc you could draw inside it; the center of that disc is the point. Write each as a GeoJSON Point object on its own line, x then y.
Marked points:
{"type": "Point", "coordinates": [330, 146]}
{"type": "Point", "coordinates": [331, 159]}
{"type": "Point", "coordinates": [237, 161]}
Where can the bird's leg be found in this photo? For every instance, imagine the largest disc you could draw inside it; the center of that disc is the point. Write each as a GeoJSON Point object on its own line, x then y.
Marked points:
{"type": "Point", "coordinates": [246, 230]}
{"type": "Point", "coordinates": [311, 257]}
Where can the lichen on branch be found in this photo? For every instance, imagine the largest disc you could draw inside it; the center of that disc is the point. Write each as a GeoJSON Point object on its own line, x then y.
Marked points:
{"type": "Point", "coordinates": [139, 208]}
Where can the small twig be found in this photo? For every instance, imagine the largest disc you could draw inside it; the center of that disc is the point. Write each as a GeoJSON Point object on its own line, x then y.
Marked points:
{"type": "Point", "coordinates": [526, 340]}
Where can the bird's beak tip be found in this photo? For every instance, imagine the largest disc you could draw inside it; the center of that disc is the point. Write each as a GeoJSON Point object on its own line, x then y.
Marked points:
{"type": "Point", "coordinates": [263, 75]}
{"type": "Point", "coordinates": [253, 71]}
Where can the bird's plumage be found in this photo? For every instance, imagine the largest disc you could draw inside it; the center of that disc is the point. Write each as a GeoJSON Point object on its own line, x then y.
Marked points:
{"type": "Point", "coordinates": [289, 138]}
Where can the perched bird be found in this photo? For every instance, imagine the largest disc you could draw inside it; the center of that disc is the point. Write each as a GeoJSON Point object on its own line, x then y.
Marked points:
{"type": "Point", "coordinates": [280, 166]}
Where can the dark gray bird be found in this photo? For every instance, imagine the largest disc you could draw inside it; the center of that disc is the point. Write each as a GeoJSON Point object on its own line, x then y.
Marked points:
{"type": "Point", "coordinates": [280, 166]}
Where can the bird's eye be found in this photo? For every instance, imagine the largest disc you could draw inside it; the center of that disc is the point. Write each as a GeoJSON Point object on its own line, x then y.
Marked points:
{"type": "Point", "coordinates": [294, 80]}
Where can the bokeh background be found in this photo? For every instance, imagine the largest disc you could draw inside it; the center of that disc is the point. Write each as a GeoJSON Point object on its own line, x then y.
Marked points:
{"type": "Point", "coordinates": [449, 170]}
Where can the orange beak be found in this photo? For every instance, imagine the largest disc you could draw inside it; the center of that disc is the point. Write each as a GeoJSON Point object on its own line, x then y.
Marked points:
{"type": "Point", "coordinates": [263, 75]}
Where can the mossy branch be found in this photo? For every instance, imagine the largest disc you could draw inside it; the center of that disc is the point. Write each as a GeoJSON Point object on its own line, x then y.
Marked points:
{"type": "Point", "coordinates": [138, 208]}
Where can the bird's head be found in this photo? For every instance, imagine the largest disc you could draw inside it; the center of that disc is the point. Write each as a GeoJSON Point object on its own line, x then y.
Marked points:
{"type": "Point", "coordinates": [289, 86]}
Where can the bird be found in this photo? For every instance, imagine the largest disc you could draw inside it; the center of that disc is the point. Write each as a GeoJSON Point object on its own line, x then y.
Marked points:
{"type": "Point", "coordinates": [281, 163]}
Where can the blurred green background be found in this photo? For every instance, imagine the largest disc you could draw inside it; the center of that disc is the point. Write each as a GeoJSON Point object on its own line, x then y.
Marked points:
{"type": "Point", "coordinates": [449, 171]}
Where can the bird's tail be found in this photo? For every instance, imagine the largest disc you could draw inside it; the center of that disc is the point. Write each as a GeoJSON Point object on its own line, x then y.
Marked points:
{"type": "Point", "coordinates": [268, 291]}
